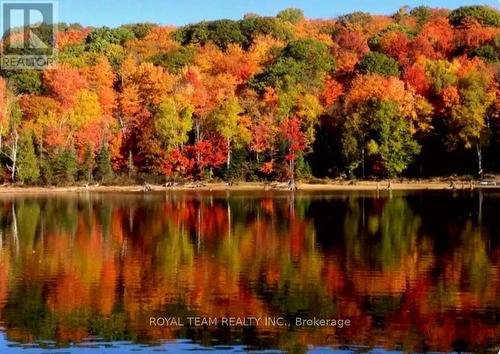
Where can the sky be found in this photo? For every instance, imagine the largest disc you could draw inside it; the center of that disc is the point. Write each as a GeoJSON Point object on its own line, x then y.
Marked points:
{"type": "Point", "coordinates": [113, 13]}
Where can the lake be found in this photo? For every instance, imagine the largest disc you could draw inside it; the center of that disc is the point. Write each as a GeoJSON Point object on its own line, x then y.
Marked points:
{"type": "Point", "coordinates": [113, 273]}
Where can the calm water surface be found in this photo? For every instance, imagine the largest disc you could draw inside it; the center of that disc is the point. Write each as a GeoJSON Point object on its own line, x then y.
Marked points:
{"type": "Point", "coordinates": [412, 271]}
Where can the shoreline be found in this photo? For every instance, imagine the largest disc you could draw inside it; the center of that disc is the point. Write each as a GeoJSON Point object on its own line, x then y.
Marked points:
{"type": "Point", "coordinates": [256, 186]}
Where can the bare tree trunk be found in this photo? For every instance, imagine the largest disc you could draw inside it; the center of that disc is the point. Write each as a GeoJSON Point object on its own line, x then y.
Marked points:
{"type": "Point", "coordinates": [197, 139]}
{"type": "Point", "coordinates": [291, 183]}
{"type": "Point", "coordinates": [130, 164]}
{"type": "Point", "coordinates": [41, 150]}
{"type": "Point", "coordinates": [228, 152]}
{"type": "Point", "coordinates": [479, 160]}
{"type": "Point", "coordinates": [363, 163]}
{"type": "Point", "coordinates": [14, 155]}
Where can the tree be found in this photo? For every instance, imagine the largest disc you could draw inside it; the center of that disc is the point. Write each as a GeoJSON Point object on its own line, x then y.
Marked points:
{"type": "Point", "coordinates": [185, 101]}
{"type": "Point", "coordinates": [225, 32]}
{"type": "Point", "coordinates": [308, 109]}
{"type": "Point", "coordinates": [197, 34]}
{"type": "Point", "coordinates": [257, 27]}
{"type": "Point", "coordinates": [63, 82]}
{"type": "Point", "coordinates": [356, 20]}
{"type": "Point", "coordinates": [291, 15]}
{"type": "Point", "coordinates": [9, 130]}
{"type": "Point", "coordinates": [173, 121]}
{"type": "Point", "coordinates": [378, 63]}
{"type": "Point", "coordinates": [140, 30]}
{"type": "Point", "coordinates": [230, 126]}
{"type": "Point", "coordinates": [85, 121]}
{"type": "Point", "coordinates": [26, 82]}
{"type": "Point", "coordinates": [104, 169]}
{"type": "Point", "coordinates": [396, 146]}
{"type": "Point", "coordinates": [415, 76]}
{"type": "Point", "coordinates": [28, 169]}
{"type": "Point", "coordinates": [377, 130]}
{"type": "Point", "coordinates": [176, 60]}
{"type": "Point", "coordinates": [101, 38]}
{"type": "Point", "coordinates": [331, 92]}
{"type": "Point", "coordinates": [101, 80]}
{"type": "Point", "coordinates": [489, 53]}
{"type": "Point", "coordinates": [421, 13]}
{"type": "Point", "coordinates": [394, 28]}
{"type": "Point", "coordinates": [295, 141]}
{"type": "Point", "coordinates": [441, 73]}
{"type": "Point", "coordinates": [436, 40]}
{"type": "Point", "coordinates": [304, 61]}
{"type": "Point", "coordinates": [486, 15]}
{"type": "Point", "coordinates": [64, 166]}
{"type": "Point", "coordinates": [468, 118]}
{"type": "Point", "coordinates": [88, 163]}
{"type": "Point", "coordinates": [4, 110]}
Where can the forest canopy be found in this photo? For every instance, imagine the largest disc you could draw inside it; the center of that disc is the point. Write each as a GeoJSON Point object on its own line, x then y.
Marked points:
{"type": "Point", "coordinates": [261, 98]}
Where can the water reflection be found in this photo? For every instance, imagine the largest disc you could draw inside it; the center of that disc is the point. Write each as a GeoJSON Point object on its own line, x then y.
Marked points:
{"type": "Point", "coordinates": [414, 271]}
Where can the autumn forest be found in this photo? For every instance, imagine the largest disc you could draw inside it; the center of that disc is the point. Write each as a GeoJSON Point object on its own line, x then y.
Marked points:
{"type": "Point", "coordinates": [412, 94]}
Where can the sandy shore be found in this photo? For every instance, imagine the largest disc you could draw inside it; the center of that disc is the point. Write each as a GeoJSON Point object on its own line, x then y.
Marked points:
{"type": "Point", "coordinates": [250, 186]}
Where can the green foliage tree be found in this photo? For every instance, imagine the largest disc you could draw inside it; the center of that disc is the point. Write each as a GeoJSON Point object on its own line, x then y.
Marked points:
{"type": "Point", "coordinates": [25, 81]}
{"type": "Point", "coordinates": [75, 54]}
{"type": "Point", "coordinates": [401, 14]}
{"type": "Point", "coordinates": [489, 52]}
{"type": "Point", "coordinates": [28, 169]}
{"type": "Point", "coordinates": [100, 39]}
{"type": "Point", "coordinates": [254, 26]}
{"type": "Point", "coordinates": [486, 15]}
{"type": "Point", "coordinates": [225, 32]}
{"type": "Point", "coordinates": [88, 163]}
{"type": "Point", "coordinates": [441, 74]}
{"type": "Point", "coordinates": [396, 146]}
{"type": "Point", "coordinates": [64, 166]}
{"type": "Point", "coordinates": [104, 169]}
{"type": "Point", "coordinates": [221, 32]}
{"type": "Point", "coordinates": [378, 63]}
{"type": "Point", "coordinates": [173, 121]}
{"type": "Point", "coordinates": [175, 60]}
{"type": "Point", "coordinates": [302, 167]}
{"type": "Point", "coordinates": [421, 13]}
{"type": "Point", "coordinates": [357, 21]}
{"type": "Point", "coordinates": [227, 119]}
{"type": "Point", "coordinates": [291, 15]}
{"type": "Point", "coordinates": [197, 34]}
{"type": "Point", "coordinates": [140, 30]}
{"type": "Point", "coordinates": [304, 61]}
{"type": "Point", "coordinates": [468, 119]}
{"type": "Point", "coordinates": [378, 131]}
{"type": "Point", "coordinates": [355, 18]}
{"type": "Point", "coordinates": [109, 41]}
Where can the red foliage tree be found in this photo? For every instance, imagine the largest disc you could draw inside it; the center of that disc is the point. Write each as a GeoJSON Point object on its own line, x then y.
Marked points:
{"type": "Point", "coordinates": [64, 81]}
{"type": "Point", "coordinates": [296, 142]}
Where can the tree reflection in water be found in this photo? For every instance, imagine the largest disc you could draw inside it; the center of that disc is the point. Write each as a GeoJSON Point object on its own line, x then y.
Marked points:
{"type": "Point", "coordinates": [412, 271]}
